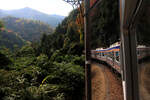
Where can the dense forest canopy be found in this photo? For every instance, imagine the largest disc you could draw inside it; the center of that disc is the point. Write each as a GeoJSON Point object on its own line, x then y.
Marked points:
{"type": "Point", "coordinates": [65, 38]}
{"type": "Point", "coordinates": [17, 32]}
{"type": "Point", "coordinates": [51, 69]}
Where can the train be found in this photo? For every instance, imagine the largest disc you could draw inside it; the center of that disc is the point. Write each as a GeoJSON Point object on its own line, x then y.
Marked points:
{"type": "Point", "coordinates": [112, 54]}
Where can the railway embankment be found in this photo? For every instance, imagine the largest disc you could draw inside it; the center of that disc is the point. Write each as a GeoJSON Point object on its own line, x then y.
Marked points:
{"type": "Point", "coordinates": [105, 84]}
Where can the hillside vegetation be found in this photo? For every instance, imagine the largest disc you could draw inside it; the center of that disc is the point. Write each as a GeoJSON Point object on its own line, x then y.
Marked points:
{"type": "Point", "coordinates": [11, 40]}
{"type": "Point", "coordinates": [51, 69]}
{"type": "Point", "coordinates": [29, 30]}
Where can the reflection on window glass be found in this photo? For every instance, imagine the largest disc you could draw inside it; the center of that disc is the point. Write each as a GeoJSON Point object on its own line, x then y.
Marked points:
{"type": "Point", "coordinates": [143, 50]}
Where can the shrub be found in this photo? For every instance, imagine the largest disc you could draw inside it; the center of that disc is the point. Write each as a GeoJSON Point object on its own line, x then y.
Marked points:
{"type": "Point", "coordinates": [25, 51]}
{"type": "Point", "coordinates": [4, 61]}
{"type": "Point", "coordinates": [70, 77]}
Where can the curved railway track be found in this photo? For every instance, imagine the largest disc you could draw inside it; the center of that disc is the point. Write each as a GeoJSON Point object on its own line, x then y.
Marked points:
{"type": "Point", "coordinates": [105, 84]}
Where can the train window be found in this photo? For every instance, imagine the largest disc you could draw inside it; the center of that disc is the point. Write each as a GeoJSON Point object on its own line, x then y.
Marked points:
{"type": "Point", "coordinates": [108, 54]}
{"type": "Point", "coordinates": [99, 54]}
{"type": "Point", "coordinates": [117, 56]}
{"type": "Point", "coordinates": [111, 55]}
{"type": "Point", "coordinates": [117, 53]}
{"type": "Point", "coordinates": [143, 50]}
{"type": "Point", "coordinates": [102, 54]}
{"type": "Point", "coordinates": [138, 52]}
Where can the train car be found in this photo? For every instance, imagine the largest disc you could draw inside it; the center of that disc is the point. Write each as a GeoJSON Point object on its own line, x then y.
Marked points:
{"type": "Point", "coordinates": [111, 55]}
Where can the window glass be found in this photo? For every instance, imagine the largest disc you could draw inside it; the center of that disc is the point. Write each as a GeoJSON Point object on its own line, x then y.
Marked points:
{"type": "Point", "coordinates": [143, 50]}
{"type": "Point", "coordinates": [117, 56]}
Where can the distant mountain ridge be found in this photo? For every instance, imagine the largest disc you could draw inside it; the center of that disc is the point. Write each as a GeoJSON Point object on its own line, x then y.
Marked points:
{"type": "Point", "coordinates": [29, 13]}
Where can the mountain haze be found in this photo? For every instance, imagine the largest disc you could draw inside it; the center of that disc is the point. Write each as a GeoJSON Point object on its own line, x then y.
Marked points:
{"type": "Point", "coordinates": [29, 13]}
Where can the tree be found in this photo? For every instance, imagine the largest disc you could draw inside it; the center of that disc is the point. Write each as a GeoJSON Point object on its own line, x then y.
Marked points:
{"type": "Point", "coordinates": [1, 24]}
{"type": "Point", "coordinates": [105, 24]}
{"type": "Point", "coordinates": [4, 61]}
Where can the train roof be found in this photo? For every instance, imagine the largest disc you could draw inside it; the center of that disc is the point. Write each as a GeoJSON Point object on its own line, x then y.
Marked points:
{"type": "Point", "coordinates": [115, 47]}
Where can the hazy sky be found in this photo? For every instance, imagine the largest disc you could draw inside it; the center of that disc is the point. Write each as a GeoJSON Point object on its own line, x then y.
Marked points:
{"type": "Point", "coordinates": [47, 6]}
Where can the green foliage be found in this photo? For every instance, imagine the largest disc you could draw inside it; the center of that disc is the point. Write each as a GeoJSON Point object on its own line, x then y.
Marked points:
{"type": "Point", "coordinates": [7, 52]}
{"type": "Point", "coordinates": [51, 69]}
{"type": "Point", "coordinates": [26, 50]}
{"type": "Point", "coordinates": [46, 92]}
{"type": "Point", "coordinates": [57, 56]}
{"type": "Point", "coordinates": [105, 24]}
{"type": "Point", "coordinates": [13, 83]}
{"type": "Point", "coordinates": [42, 61]}
{"type": "Point", "coordinates": [22, 62]}
{"type": "Point", "coordinates": [65, 79]}
{"type": "Point", "coordinates": [1, 24]}
{"type": "Point", "coordinates": [65, 38]}
{"type": "Point", "coordinates": [4, 61]}
{"type": "Point", "coordinates": [70, 77]}
{"type": "Point", "coordinates": [29, 30]}
{"type": "Point", "coordinates": [10, 39]}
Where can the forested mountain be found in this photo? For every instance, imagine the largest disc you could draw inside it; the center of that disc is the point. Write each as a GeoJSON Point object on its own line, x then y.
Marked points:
{"type": "Point", "coordinates": [11, 40]}
{"type": "Point", "coordinates": [29, 30]}
{"type": "Point", "coordinates": [68, 37]}
{"type": "Point", "coordinates": [32, 14]}
{"type": "Point", "coordinates": [51, 69]}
